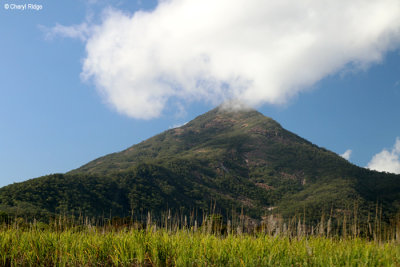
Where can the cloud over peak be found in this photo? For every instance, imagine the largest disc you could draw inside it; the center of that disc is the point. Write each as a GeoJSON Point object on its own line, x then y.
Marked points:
{"type": "Point", "coordinates": [213, 50]}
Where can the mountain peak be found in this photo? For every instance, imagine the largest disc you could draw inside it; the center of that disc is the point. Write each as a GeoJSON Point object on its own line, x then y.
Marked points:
{"type": "Point", "coordinates": [234, 105]}
{"type": "Point", "coordinates": [230, 114]}
{"type": "Point", "coordinates": [212, 134]}
{"type": "Point", "coordinates": [235, 157]}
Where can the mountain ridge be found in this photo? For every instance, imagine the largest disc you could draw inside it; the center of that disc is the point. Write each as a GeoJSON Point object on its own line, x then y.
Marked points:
{"type": "Point", "coordinates": [197, 131]}
{"type": "Point", "coordinates": [240, 160]}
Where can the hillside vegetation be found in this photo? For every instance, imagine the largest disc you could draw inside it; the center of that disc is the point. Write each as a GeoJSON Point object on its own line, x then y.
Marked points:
{"type": "Point", "coordinates": [223, 162]}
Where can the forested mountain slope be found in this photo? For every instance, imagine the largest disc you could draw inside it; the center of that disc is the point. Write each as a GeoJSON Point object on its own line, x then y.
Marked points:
{"type": "Point", "coordinates": [230, 160]}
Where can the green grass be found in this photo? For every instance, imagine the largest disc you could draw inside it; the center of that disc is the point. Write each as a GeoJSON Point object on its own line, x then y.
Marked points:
{"type": "Point", "coordinates": [133, 247]}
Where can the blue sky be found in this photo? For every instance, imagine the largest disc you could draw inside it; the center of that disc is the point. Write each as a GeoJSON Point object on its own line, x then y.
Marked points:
{"type": "Point", "coordinates": [59, 109]}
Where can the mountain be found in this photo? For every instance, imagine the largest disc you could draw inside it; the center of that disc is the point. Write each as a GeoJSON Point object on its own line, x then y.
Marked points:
{"type": "Point", "coordinates": [224, 160]}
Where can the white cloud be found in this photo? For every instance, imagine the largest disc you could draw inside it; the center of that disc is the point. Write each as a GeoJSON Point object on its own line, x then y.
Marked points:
{"type": "Point", "coordinates": [347, 154]}
{"type": "Point", "coordinates": [385, 160]}
{"type": "Point", "coordinates": [211, 50]}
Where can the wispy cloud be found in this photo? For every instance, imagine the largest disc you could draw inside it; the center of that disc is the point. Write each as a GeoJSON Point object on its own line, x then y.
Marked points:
{"type": "Point", "coordinates": [80, 31]}
{"type": "Point", "coordinates": [386, 160]}
{"type": "Point", "coordinates": [347, 154]}
{"type": "Point", "coordinates": [212, 50]}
